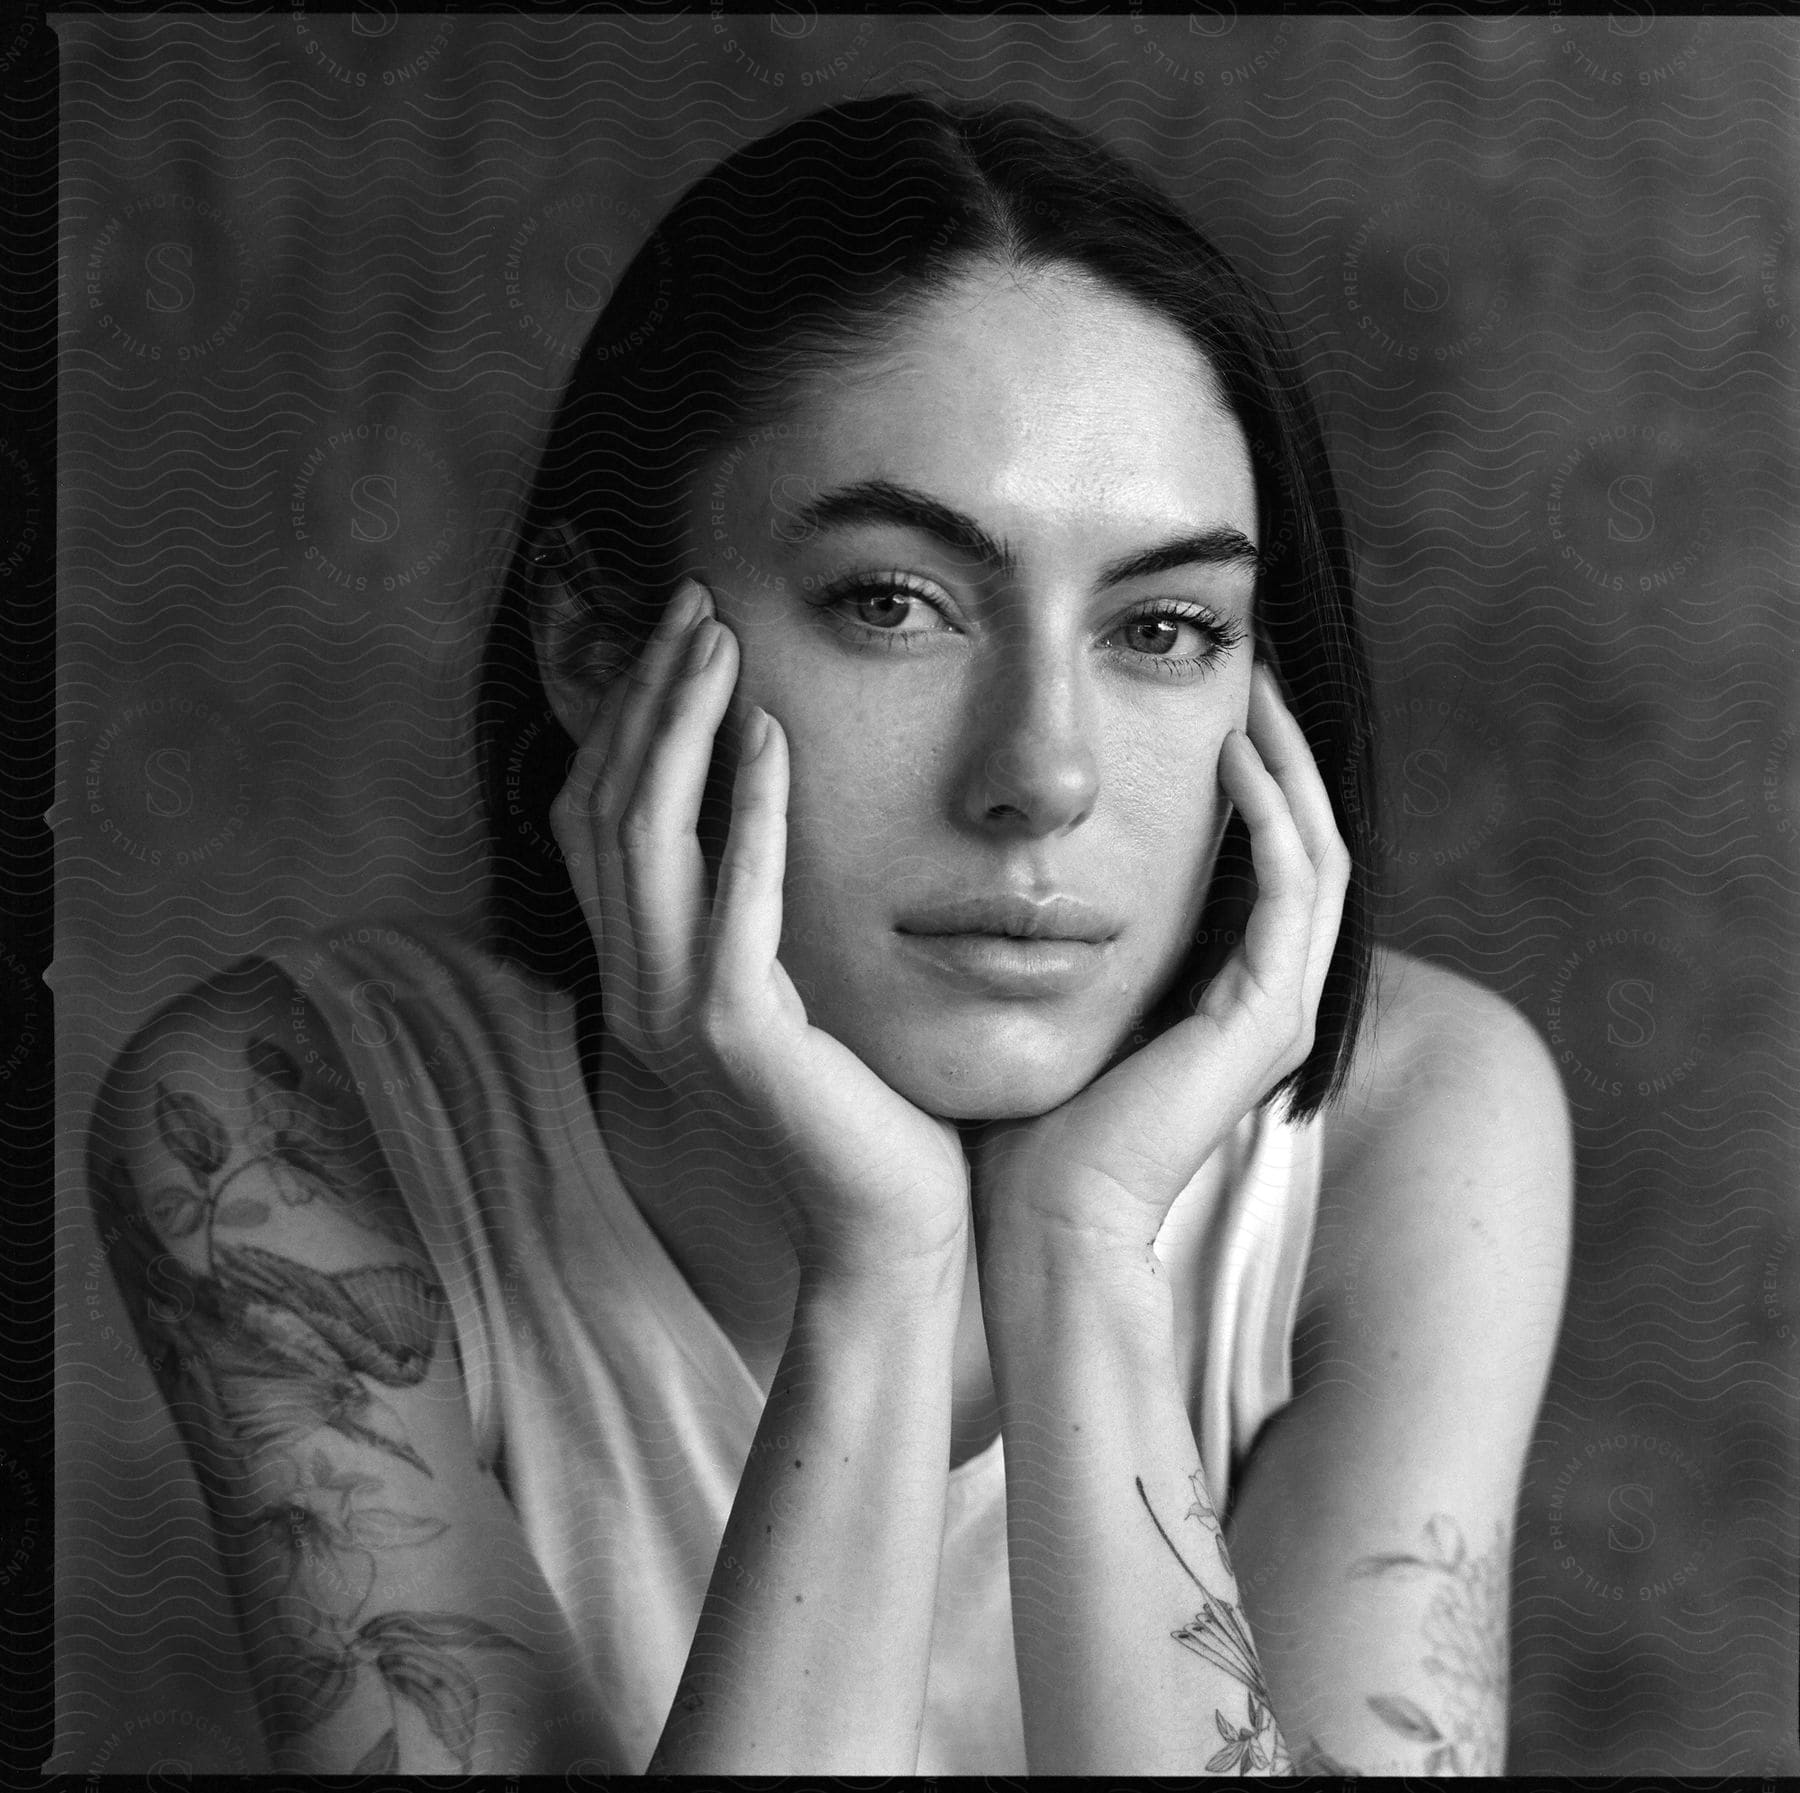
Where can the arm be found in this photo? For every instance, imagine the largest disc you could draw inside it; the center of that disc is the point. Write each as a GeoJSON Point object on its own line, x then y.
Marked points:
{"type": "Point", "coordinates": [1133, 1653]}
{"type": "Point", "coordinates": [392, 1615]}
{"type": "Point", "coordinates": [812, 1647]}
{"type": "Point", "coordinates": [1373, 1529]}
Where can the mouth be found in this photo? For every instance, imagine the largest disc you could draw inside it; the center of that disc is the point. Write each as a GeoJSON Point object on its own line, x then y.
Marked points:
{"type": "Point", "coordinates": [1059, 919]}
{"type": "Point", "coordinates": [1013, 966]}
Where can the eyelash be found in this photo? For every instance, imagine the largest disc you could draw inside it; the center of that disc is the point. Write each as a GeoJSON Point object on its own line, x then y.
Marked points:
{"type": "Point", "coordinates": [1225, 635]}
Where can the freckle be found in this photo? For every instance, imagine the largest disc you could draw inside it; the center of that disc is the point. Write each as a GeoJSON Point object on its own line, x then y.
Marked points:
{"type": "Point", "coordinates": [796, 1462]}
{"type": "Point", "coordinates": [798, 1600]}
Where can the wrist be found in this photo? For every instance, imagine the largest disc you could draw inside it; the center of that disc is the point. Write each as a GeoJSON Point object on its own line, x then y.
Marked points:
{"type": "Point", "coordinates": [1052, 1274]}
{"type": "Point", "coordinates": [875, 1284]}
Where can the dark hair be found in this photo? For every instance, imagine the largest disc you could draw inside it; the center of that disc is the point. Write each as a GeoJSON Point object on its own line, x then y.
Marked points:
{"type": "Point", "coordinates": [796, 253]}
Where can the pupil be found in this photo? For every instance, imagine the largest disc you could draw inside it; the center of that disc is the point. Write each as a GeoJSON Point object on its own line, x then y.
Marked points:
{"type": "Point", "coordinates": [1162, 624]}
{"type": "Point", "coordinates": [889, 607]}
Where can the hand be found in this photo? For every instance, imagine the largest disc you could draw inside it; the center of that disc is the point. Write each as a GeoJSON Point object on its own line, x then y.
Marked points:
{"type": "Point", "coordinates": [1108, 1164]}
{"type": "Point", "coordinates": [865, 1182]}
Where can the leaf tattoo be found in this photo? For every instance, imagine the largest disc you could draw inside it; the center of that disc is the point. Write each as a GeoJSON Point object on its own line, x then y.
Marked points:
{"type": "Point", "coordinates": [411, 1654]}
{"type": "Point", "coordinates": [312, 1682]}
{"type": "Point", "coordinates": [271, 1063]}
{"type": "Point", "coordinates": [177, 1211]}
{"type": "Point", "coordinates": [1466, 1629]}
{"type": "Point", "coordinates": [381, 1757]}
{"type": "Point", "coordinates": [1400, 1714]}
{"type": "Point", "coordinates": [191, 1131]}
{"type": "Point", "coordinates": [292, 1136]}
{"type": "Point", "coordinates": [321, 1538]}
{"type": "Point", "coordinates": [1217, 1634]}
{"type": "Point", "coordinates": [410, 1651]}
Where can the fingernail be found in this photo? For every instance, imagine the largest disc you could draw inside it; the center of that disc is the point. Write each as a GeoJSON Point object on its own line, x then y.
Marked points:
{"type": "Point", "coordinates": [686, 607]}
{"type": "Point", "coordinates": [703, 643]}
{"type": "Point", "coordinates": [756, 732]}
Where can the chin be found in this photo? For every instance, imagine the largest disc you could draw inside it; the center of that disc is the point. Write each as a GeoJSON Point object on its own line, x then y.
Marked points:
{"type": "Point", "coordinates": [976, 1068]}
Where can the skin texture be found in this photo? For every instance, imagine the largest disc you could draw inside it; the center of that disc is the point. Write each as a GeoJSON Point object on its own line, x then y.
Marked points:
{"type": "Point", "coordinates": [1029, 744]}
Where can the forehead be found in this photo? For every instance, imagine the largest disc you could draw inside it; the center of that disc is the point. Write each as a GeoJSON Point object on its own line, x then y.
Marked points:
{"type": "Point", "coordinates": [1042, 404]}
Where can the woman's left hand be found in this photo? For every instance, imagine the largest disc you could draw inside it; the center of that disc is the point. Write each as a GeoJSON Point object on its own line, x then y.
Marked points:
{"type": "Point", "coordinates": [1105, 1168]}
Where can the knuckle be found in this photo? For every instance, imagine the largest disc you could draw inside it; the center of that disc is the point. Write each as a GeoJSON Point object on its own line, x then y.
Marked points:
{"type": "Point", "coordinates": [720, 1032]}
{"type": "Point", "coordinates": [640, 677]}
{"type": "Point", "coordinates": [713, 1013]}
{"type": "Point", "coordinates": [636, 827]}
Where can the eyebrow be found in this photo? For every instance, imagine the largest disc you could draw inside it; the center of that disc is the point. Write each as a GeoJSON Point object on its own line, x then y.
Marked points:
{"type": "Point", "coordinates": [882, 501]}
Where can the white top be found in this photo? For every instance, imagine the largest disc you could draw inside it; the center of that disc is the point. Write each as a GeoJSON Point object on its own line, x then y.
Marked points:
{"type": "Point", "coordinates": [622, 1415]}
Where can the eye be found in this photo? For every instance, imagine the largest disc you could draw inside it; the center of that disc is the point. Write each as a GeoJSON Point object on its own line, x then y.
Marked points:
{"type": "Point", "coordinates": [1153, 638]}
{"type": "Point", "coordinates": [883, 605]}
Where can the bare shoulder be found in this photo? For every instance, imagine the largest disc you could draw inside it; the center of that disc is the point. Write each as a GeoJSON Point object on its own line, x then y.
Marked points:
{"type": "Point", "coordinates": [1438, 1049]}
{"type": "Point", "coordinates": [1450, 1149]}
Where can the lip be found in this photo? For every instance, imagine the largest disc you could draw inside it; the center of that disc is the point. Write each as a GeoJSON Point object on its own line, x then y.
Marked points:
{"type": "Point", "coordinates": [1058, 918]}
{"type": "Point", "coordinates": [999, 965]}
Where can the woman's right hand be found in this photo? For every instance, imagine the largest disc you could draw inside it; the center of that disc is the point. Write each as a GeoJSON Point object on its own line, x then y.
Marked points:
{"type": "Point", "coordinates": [867, 1183]}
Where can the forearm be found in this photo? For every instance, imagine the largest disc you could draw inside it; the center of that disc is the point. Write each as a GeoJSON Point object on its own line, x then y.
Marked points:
{"type": "Point", "coordinates": [1132, 1651]}
{"type": "Point", "coordinates": [813, 1642]}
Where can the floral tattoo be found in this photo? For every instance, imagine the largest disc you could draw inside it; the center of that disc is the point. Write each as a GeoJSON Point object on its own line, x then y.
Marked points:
{"type": "Point", "coordinates": [1217, 1634]}
{"type": "Point", "coordinates": [1463, 1723]}
{"type": "Point", "coordinates": [1466, 1629]}
{"type": "Point", "coordinates": [282, 1355]}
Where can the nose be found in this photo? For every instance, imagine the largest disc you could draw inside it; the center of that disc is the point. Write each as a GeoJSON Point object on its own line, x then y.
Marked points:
{"type": "Point", "coordinates": [1031, 767]}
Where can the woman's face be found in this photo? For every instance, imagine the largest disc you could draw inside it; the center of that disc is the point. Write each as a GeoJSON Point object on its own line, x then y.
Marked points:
{"type": "Point", "coordinates": [930, 573]}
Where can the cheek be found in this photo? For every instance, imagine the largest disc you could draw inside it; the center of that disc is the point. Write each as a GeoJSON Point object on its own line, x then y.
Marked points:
{"type": "Point", "coordinates": [1170, 809]}
{"type": "Point", "coordinates": [862, 805]}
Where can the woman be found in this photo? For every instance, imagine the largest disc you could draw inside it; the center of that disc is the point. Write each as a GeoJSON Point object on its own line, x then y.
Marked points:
{"type": "Point", "coordinates": [978, 1057]}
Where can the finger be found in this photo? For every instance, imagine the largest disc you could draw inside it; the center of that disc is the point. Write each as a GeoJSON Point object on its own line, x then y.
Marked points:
{"type": "Point", "coordinates": [572, 812]}
{"type": "Point", "coordinates": [643, 688]}
{"type": "Point", "coordinates": [746, 918]}
{"type": "Point", "coordinates": [1283, 747]}
{"type": "Point", "coordinates": [1278, 737]}
{"type": "Point", "coordinates": [1279, 931]}
{"type": "Point", "coordinates": [661, 868]}
{"type": "Point", "coordinates": [585, 813]}
{"type": "Point", "coordinates": [637, 707]}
